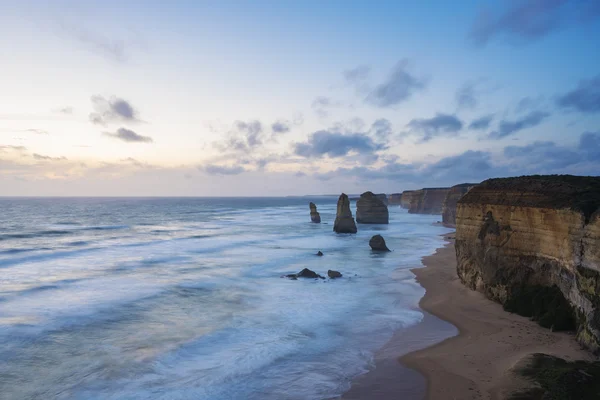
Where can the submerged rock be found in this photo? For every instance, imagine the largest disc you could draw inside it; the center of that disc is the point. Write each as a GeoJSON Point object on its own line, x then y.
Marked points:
{"type": "Point", "coordinates": [333, 274]}
{"type": "Point", "coordinates": [305, 273]}
{"type": "Point", "coordinates": [320, 253]}
{"type": "Point", "coordinates": [370, 209]}
{"type": "Point", "coordinates": [344, 222]}
{"type": "Point", "coordinates": [377, 243]}
{"type": "Point", "coordinates": [314, 215]}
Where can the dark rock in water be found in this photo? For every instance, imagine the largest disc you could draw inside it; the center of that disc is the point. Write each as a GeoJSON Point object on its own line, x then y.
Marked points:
{"type": "Point", "coordinates": [314, 215]}
{"type": "Point", "coordinates": [305, 273]}
{"type": "Point", "coordinates": [370, 209]}
{"type": "Point", "coordinates": [377, 243]}
{"type": "Point", "coordinates": [320, 253]}
{"type": "Point", "coordinates": [344, 222]}
{"type": "Point", "coordinates": [383, 197]}
{"type": "Point", "coordinates": [333, 274]}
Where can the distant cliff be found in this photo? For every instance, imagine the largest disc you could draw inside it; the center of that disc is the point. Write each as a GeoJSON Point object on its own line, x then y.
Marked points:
{"type": "Point", "coordinates": [427, 200]}
{"type": "Point", "coordinates": [449, 205]}
{"type": "Point", "coordinates": [394, 199]}
{"type": "Point", "coordinates": [407, 197]}
{"type": "Point", "coordinates": [533, 244]}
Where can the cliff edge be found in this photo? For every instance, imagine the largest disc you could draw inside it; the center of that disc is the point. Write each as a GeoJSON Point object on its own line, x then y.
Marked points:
{"type": "Point", "coordinates": [427, 200]}
{"type": "Point", "coordinates": [532, 243]}
{"type": "Point", "coordinates": [449, 206]}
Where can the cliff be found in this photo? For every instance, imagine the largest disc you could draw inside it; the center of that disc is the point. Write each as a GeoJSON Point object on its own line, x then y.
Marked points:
{"type": "Point", "coordinates": [407, 197]}
{"type": "Point", "coordinates": [394, 198]}
{"type": "Point", "coordinates": [427, 200]}
{"type": "Point", "coordinates": [344, 222]}
{"type": "Point", "coordinates": [533, 244]}
{"type": "Point", "coordinates": [449, 205]}
{"type": "Point", "coordinates": [371, 210]}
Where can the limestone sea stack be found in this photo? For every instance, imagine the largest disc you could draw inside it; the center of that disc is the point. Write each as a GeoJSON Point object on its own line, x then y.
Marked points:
{"type": "Point", "coordinates": [370, 209]}
{"type": "Point", "coordinates": [427, 200]}
{"type": "Point", "coordinates": [344, 222]}
{"type": "Point", "coordinates": [449, 206]}
{"type": "Point", "coordinates": [377, 243]}
{"type": "Point", "coordinates": [383, 197]}
{"type": "Point", "coordinates": [532, 243]}
{"type": "Point", "coordinates": [314, 215]}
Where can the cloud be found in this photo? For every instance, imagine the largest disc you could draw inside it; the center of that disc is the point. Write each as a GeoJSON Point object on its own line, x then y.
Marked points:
{"type": "Point", "coordinates": [546, 156]}
{"type": "Point", "coordinates": [481, 123]}
{"type": "Point", "coordinates": [589, 145]}
{"type": "Point", "coordinates": [507, 128]}
{"type": "Point", "coordinates": [112, 49]}
{"type": "Point", "coordinates": [222, 169]}
{"type": "Point", "coordinates": [528, 20]}
{"type": "Point", "coordinates": [243, 137]}
{"type": "Point", "coordinates": [585, 98]}
{"type": "Point", "coordinates": [382, 128]}
{"type": "Point", "coordinates": [397, 88]}
{"type": "Point", "coordinates": [358, 74]}
{"type": "Point", "coordinates": [112, 110]}
{"type": "Point", "coordinates": [65, 110]}
{"type": "Point", "coordinates": [322, 105]}
{"type": "Point", "coordinates": [441, 124]}
{"type": "Point", "coordinates": [280, 127]}
{"type": "Point", "coordinates": [335, 144]}
{"type": "Point", "coordinates": [465, 96]}
{"type": "Point", "coordinates": [36, 131]}
{"type": "Point", "coordinates": [40, 157]}
{"type": "Point", "coordinates": [4, 148]}
{"type": "Point", "coordinates": [130, 136]}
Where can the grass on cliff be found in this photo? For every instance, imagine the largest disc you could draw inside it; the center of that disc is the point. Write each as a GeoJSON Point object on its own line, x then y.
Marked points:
{"type": "Point", "coordinates": [557, 379]}
{"type": "Point", "coordinates": [543, 304]}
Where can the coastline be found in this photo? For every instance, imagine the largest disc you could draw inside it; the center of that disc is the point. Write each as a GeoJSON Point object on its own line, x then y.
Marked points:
{"type": "Point", "coordinates": [473, 364]}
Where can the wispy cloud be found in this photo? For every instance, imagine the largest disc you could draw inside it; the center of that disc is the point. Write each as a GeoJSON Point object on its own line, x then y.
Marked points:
{"type": "Point", "coordinates": [399, 86]}
{"type": "Point", "coordinates": [112, 110]}
{"type": "Point", "coordinates": [507, 128]}
{"type": "Point", "coordinates": [439, 125]}
{"type": "Point", "coordinates": [41, 157]}
{"type": "Point", "coordinates": [584, 98]}
{"type": "Point", "coordinates": [127, 135]}
{"type": "Point", "coordinates": [336, 144]}
{"type": "Point", "coordinates": [222, 169]}
{"type": "Point", "coordinates": [98, 43]}
{"type": "Point", "coordinates": [481, 123]}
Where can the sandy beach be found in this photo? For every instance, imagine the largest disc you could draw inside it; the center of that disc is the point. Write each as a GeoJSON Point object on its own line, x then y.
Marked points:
{"type": "Point", "coordinates": [476, 363]}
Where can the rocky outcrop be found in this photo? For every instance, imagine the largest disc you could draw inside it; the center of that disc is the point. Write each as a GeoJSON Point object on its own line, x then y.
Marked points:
{"type": "Point", "coordinates": [533, 244]}
{"type": "Point", "coordinates": [427, 200]}
{"type": "Point", "coordinates": [394, 199]}
{"type": "Point", "coordinates": [371, 210]}
{"type": "Point", "coordinates": [449, 206]}
{"type": "Point", "coordinates": [344, 222]}
{"type": "Point", "coordinates": [305, 273]}
{"type": "Point", "coordinates": [406, 198]}
{"type": "Point", "coordinates": [377, 243]}
{"type": "Point", "coordinates": [320, 253]}
{"type": "Point", "coordinates": [314, 215]}
{"type": "Point", "coordinates": [333, 274]}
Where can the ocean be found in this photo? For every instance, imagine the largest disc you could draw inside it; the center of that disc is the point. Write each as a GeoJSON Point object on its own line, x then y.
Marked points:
{"type": "Point", "coordinates": [183, 298]}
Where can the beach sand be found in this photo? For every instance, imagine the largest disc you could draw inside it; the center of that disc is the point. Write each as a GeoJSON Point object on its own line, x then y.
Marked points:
{"type": "Point", "coordinates": [476, 363]}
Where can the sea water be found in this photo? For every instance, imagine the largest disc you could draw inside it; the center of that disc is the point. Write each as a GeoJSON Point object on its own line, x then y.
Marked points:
{"type": "Point", "coordinates": [183, 298]}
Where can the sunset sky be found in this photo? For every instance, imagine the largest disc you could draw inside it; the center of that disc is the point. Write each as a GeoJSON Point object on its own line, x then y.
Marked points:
{"type": "Point", "coordinates": [228, 98]}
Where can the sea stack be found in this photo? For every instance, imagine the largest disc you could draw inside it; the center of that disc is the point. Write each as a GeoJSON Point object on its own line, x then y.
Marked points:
{"type": "Point", "coordinates": [377, 243]}
{"type": "Point", "coordinates": [344, 222]}
{"type": "Point", "coordinates": [532, 243]}
{"type": "Point", "coordinates": [370, 209]}
{"type": "Point", "coordinates": [314, 215]}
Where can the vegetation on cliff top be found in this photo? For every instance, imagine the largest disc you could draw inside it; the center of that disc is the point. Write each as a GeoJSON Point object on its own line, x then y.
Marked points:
{"type": "Point", "coordinates": [579, 193]}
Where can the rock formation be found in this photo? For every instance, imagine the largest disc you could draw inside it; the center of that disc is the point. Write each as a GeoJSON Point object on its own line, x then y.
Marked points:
{"type": "Point", "coordinates": [333, 274]}
{"type": "Point", "coordinates": [305, 273]}
{"type": "Point", "coordinates": [383, 197]}
{"type": "Point", "coordinates": [532, 243]}
{"type": "Point", "coordinates": [449, 205]}
{"type": "Point", "coordinates": [371, 210]}
{"type": "Point", "coordinates": [427, 200]}
{"type": "Point", "coordinates": [344, 222]}
{"type": "Point", "coordinates": [320, 253]}
{"type": "Point", "coordinates": [314, 215]}
{"type": "Point", "coordinates": [406, 198]}
{"type": "Point", "coordinates": [377, 243]}
{"type": "Point", "coordinates": [395, 199]}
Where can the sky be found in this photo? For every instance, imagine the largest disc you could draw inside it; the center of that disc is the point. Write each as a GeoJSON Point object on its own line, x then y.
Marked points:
{"type": "Point", "coordinates": [273, 98]}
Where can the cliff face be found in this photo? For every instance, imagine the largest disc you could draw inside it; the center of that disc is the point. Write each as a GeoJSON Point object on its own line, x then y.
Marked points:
{"type": "Point", "coordinates": [407, 197]}
{"type": "Point", "coordinates": [394, 198]}
{"type": "Point", "coordinates": [371, 210]}
{"type": "Point", "coordinates": [427, 201]}
{"type": "Point", "coordinates": [516, 235]}
{"type": "Point", "coordinates": [449, 205]}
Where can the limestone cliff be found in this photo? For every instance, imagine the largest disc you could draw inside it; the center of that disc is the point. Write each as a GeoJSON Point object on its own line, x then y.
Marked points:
{"type": "Point", "coordinates": [371, 210]}
{"type": "Point", "coordinates": [406, 198]}
{"type": "Point", "coordinates": [427, 200]}
{"type": "Point", "coordinates": [449, 205]}
{"type": "Point", "coordinates": [344, 222]}
{"type": "Point", "coordinates": [519, 240]}
{"type": "Point", "coordinates": [383, 197]}
{"type": "Point", "coordinates": [314, 214]}
{"type": "Point", "coordinates": [394, 199]}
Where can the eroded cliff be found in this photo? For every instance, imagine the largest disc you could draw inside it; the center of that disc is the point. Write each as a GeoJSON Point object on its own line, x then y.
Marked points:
{"type": "Point", "coordinates": [533, 242]}
{"type": "Point", "coordinates": [427, 200]}
{"type": "Point", "coordinates": [449, 206]}
{"type": "Point", "coordinates": [407, 197]}
{"type": "Point", "coordinates": [394, 199]}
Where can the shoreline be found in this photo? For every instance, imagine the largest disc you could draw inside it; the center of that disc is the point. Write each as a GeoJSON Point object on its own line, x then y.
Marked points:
{"type": "Point", "coordinates": [475, 362]}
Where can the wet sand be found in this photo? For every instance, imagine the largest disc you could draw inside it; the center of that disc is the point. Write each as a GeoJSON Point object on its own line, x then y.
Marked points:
{"type": "Point", "coordinates": [476, 363]}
